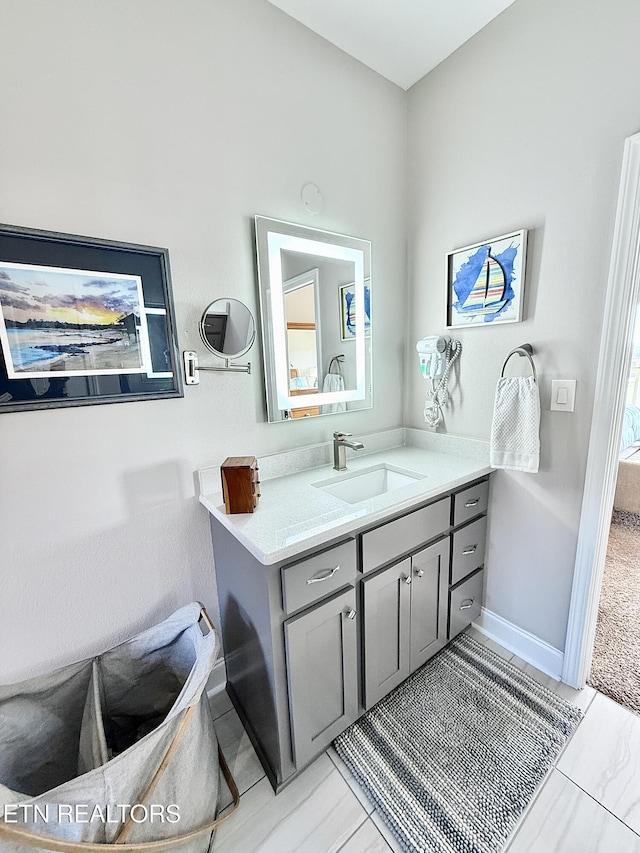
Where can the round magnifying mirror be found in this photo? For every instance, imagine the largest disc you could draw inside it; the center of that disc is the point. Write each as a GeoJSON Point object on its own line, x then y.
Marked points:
{"type": "Point", "coordinates": [227, 328]}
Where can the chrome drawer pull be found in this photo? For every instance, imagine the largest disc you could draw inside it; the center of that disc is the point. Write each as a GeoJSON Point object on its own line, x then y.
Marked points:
{"type": "Point", "coordinates": [406, 579]}
{"type": "Point", "coordinates": [474, 502]}
{"type": "Point", "coordinates": [467, 604]}
{"type": "Point", "coordinates": [350, 614]}
{"type": "Point", "coordinates": [419, 573]}
{"type": "Point", "coordinates": [324, 576]}
{"type": "Point", "coordinates": [469, 550]}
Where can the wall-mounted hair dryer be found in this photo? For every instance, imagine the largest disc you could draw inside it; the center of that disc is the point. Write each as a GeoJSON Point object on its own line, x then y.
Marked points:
{"type": "Point", "coordinates": [437, 356]}
{"type": "Point", "coordinates": [432, 355]}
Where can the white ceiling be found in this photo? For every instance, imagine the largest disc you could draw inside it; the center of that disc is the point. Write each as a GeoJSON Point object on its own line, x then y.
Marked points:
{"type": "Point", "coordinates": [400, 39]}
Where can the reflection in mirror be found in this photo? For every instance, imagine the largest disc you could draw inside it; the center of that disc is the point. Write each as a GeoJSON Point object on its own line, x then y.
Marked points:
{"type": "Point", "coordinates": [317, 347]}
{"type": "Point", "coordinates": [227, 328]}
{"type": "Point", "coordinates": [302, 320]}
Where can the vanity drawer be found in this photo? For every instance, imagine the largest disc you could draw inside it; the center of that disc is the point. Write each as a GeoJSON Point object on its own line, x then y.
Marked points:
{"type": "Point", "coordinates": [465, 603]}
{"type": "Point", "coordinates": [405, 534]}
{"type": "Point", "coordinates": [470, 502]}
{"type": "Point", "coordinates": [467, 552]}
{"type": "Point", "coordinates": [318, 576]}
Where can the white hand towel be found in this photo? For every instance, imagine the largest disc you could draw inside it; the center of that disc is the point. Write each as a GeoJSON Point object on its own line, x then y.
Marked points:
{"type": "Point", "coordinates": [515, 441]}
{"type": "Point", "coordinates": [333, 382]}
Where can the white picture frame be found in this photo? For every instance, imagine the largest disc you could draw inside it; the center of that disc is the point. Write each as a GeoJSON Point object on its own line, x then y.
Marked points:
{"type": "Point", "coordinates": [485, 282]}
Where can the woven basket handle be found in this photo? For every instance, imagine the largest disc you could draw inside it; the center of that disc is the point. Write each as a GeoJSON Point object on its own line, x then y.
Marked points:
{"type": "Point", "coordinates": [17, 833]}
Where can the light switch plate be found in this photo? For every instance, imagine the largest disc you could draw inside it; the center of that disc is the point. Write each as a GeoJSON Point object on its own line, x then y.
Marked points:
{"type": "Point", "coordinates": [563, 395]}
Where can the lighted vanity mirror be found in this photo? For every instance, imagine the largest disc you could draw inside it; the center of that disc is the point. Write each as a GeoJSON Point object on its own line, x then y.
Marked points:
{"type": "Point", "coordinates": [227, 328]}
{"type": "Point", "coordinates": [314, 307]}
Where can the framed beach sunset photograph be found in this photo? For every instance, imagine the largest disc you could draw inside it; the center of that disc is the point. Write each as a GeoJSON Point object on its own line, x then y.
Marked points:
{"type": "Point", "coordinates": [70, 322]}
{"type": "Point", "coordinates": [83, 321]}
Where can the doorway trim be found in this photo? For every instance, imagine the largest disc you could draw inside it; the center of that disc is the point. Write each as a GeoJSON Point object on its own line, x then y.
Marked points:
{"type": "Point", "coordinates": [606, 426]}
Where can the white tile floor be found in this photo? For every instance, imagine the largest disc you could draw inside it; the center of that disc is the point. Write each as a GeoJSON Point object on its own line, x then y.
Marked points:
{"type": "Point", "coordinates": [589, 802]}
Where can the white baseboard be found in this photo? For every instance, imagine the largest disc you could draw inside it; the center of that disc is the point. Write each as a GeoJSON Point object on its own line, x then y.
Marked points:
{"type": "Point", "coordinates": [527, 646]}
{"type": "Point", "coordinates": [217, 679]}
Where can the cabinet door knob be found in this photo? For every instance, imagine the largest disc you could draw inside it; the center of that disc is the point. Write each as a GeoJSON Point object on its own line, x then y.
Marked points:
{"type": "Point", "coordinates": [419, 573]}
{"type": "Point", "coordinates": [474, 502]}
{"type": "Point", "coordinates": [323, 576]}
{"type": "Point", "coordinates": [406, 579]}
{"type": "Point", "coordinates": [467, 604]}
{"type": "Point", "coordinates": [350, 613]}
{"type": "Point", "coordinates": [471, 549]}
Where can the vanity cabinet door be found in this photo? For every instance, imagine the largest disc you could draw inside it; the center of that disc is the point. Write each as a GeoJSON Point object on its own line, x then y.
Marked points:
{"type": "Point", "coordinates": [386, 608]}
{"type": "Point", "coordinates": [429, 598]}
{"type": "Point", "coordinates": [321, 648]}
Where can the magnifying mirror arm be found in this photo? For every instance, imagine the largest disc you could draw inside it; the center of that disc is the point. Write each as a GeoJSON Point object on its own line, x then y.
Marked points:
{"type": "Point", "coordinates": [229, 365]}
{"type": "Point", "coordinates": [192, 367]}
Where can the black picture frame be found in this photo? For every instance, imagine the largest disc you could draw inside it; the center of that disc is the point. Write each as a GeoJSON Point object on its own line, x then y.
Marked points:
{"type": "Point", "coordinates": [66, 338]}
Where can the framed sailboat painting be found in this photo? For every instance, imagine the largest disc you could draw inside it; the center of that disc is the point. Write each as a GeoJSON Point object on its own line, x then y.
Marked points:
{"type": "Point", "coordinates": [485, 282]}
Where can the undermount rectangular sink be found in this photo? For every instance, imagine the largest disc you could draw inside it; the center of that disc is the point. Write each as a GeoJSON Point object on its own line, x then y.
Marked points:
{"type": "Point", "coordinates": [362, 485]}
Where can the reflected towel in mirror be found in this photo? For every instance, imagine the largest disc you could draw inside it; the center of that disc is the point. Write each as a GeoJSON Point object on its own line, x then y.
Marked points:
{"type": "Point", "coordinates": [333, 382]}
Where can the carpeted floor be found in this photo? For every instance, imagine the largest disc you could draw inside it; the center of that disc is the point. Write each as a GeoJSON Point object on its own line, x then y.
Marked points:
{"type": "Point", "coordinates": [615, 669]}
{"type": "Point", "coordinates": [452, 757]}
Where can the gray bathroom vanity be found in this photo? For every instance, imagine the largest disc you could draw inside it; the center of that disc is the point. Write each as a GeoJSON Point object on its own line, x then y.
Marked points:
{"type": "Point", "coordinates": [326, 608]}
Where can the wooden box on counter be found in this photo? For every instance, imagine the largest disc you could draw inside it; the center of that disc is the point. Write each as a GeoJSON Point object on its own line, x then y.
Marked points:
{"type": "Point", "coordinates": [240, 484]}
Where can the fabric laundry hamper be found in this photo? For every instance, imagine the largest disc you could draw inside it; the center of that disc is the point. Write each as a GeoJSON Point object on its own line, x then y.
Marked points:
{"type": "Point", "coordinates": [116, 752]}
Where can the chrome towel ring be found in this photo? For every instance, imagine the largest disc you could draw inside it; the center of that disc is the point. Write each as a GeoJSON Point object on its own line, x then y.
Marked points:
{"type": "Point", "coordinates": [525, 350]}
{"type": "Point", "coordinates": [337, 359]}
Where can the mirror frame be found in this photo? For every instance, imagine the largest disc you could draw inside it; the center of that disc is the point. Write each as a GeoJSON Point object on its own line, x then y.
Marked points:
{"type": "Point", "coordinates": [203, 336]}
{"type": "Point", "coordinates": [272, 237]}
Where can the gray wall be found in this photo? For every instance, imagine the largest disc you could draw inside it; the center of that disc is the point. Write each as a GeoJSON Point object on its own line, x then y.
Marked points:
{"type": "Point", "coordinates": [523, 127]}
{"type": "Point", "coordinates": [171, 124]}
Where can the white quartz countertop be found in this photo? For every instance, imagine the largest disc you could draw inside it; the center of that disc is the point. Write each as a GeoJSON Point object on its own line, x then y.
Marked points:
{"type": "Point", "coordinates": [293, 515]}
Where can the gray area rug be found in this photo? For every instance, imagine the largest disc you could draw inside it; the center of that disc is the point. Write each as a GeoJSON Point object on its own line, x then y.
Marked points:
{"type": "Point", "coordinates": [615, 668]}
{"type": "Point", "coordinates": [453, 756]}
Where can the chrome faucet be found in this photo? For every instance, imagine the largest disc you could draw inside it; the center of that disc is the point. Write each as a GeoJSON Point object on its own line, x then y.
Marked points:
{"type": "Point", "coordinates": [340, 443]}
